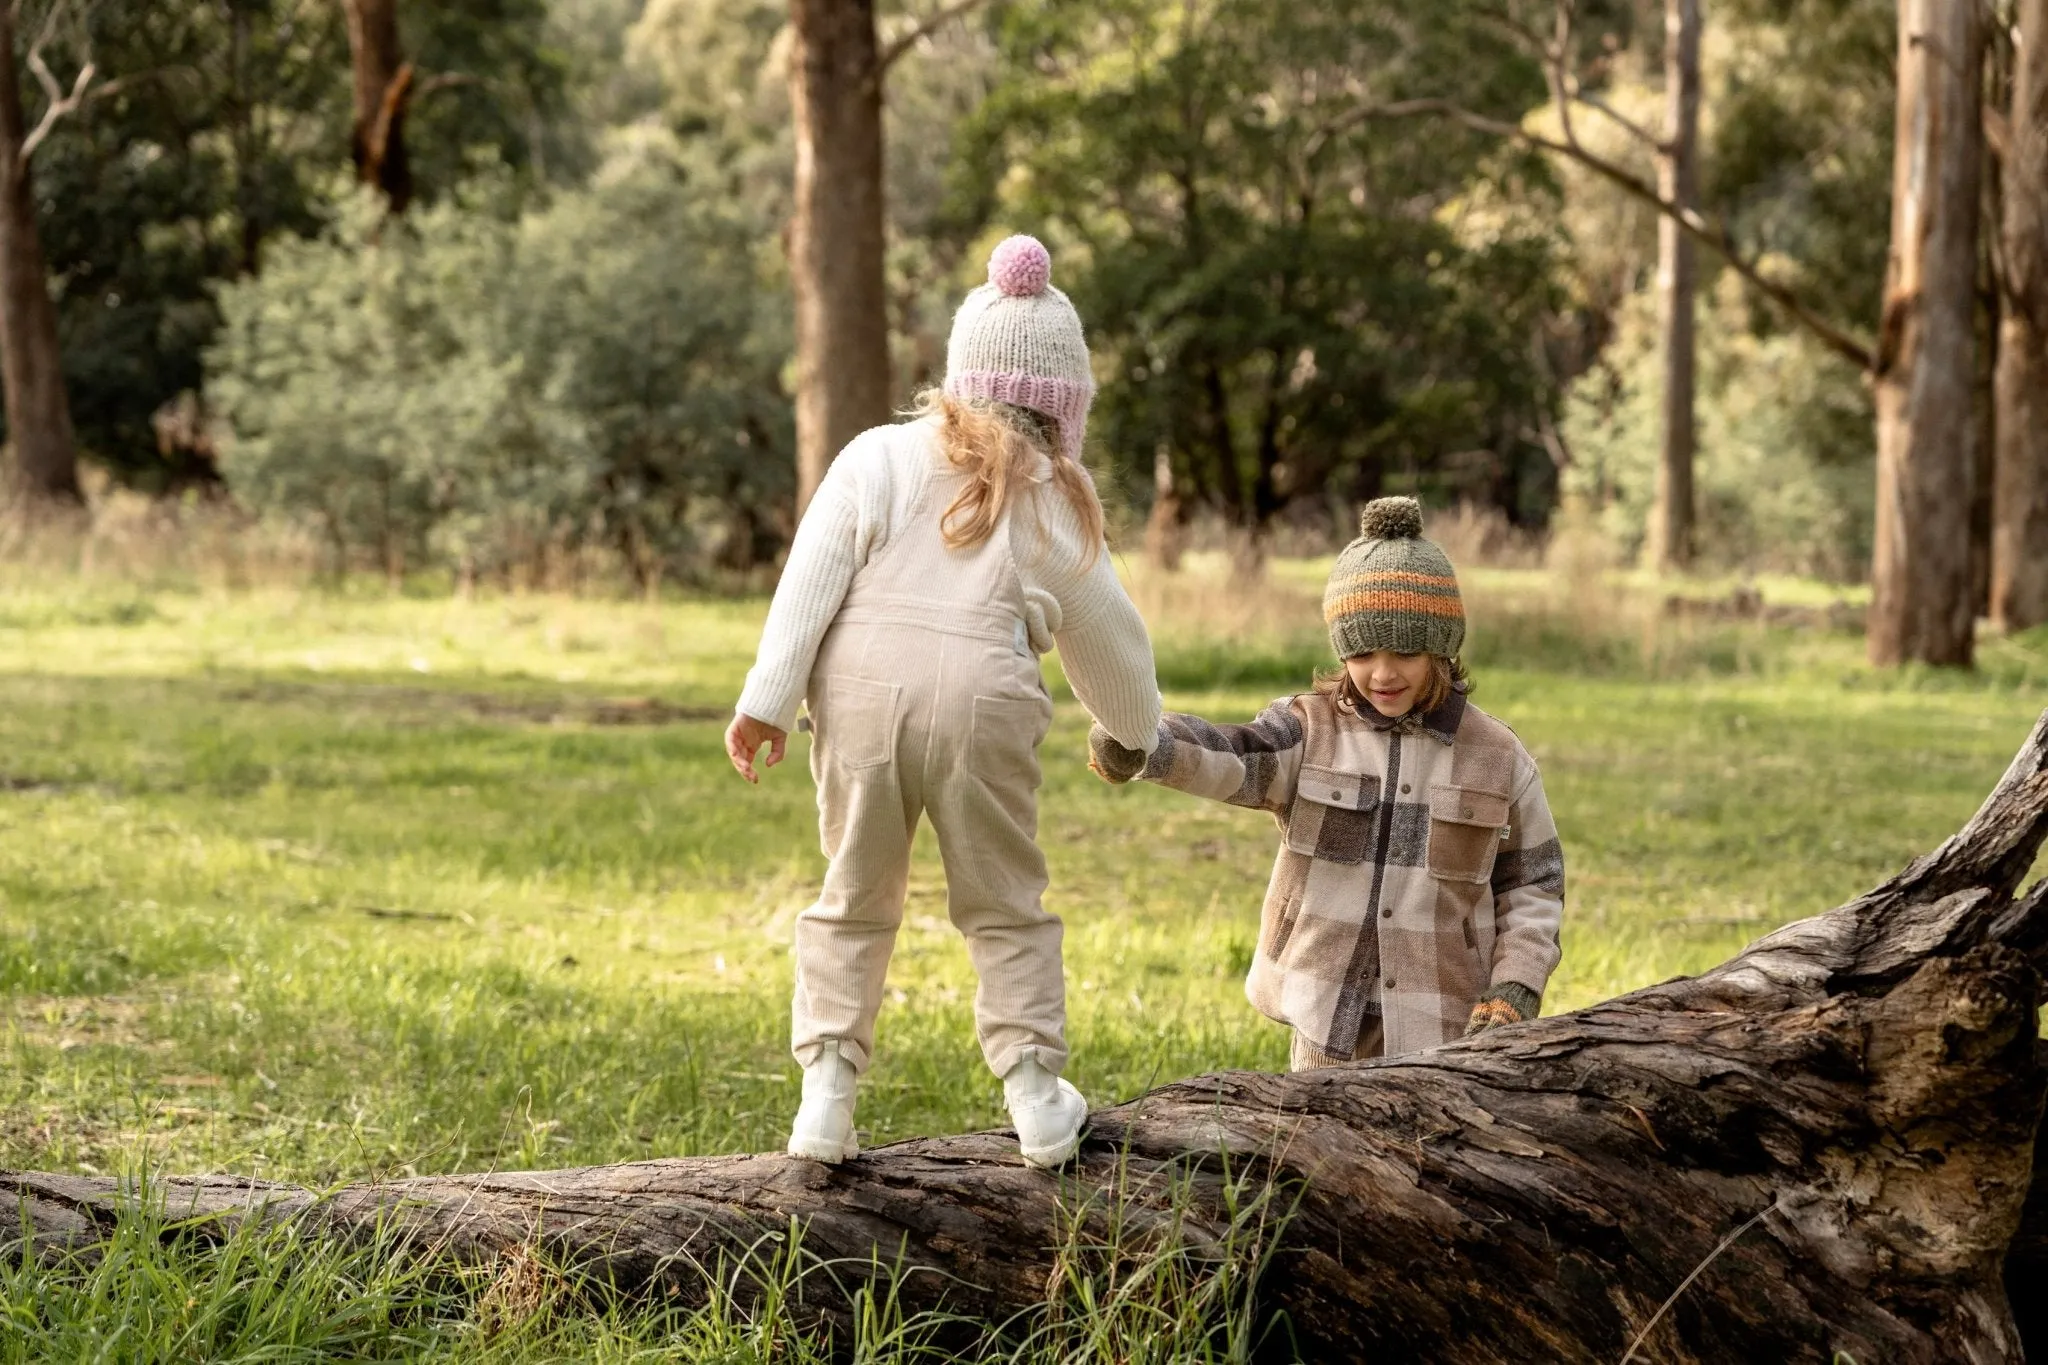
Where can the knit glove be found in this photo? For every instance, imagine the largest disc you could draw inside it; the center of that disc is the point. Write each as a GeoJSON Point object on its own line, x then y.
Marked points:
{"type": "Point", "coordinates": [1111, 761]}
{"type": "Point", "coordinates": [1508, 1003]}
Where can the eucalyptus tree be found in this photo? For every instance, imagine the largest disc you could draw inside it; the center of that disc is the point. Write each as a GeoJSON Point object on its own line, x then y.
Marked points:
{"type": "Point", "coordinates": [1923, 602]}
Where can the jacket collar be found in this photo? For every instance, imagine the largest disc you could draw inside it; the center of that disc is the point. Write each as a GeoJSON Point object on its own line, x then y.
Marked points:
{"type": "Point", "coordinates": [1440, 724]}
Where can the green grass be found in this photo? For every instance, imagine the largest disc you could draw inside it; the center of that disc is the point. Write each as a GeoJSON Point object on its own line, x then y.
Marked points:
{"type": "Point", "coordinates": [320, 887]}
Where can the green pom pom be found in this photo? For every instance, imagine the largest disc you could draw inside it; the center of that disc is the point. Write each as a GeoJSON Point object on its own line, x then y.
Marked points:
{"type": "Point", "coordinates": [1391, 519]}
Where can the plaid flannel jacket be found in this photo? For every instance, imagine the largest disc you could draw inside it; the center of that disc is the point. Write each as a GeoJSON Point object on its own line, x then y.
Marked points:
{"type": "Point", "coordinates": [1418, 863]}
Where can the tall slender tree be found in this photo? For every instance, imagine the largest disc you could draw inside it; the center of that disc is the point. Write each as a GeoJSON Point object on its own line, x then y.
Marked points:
{"type": "Point", "coordinates": [835, 238]}
{"type": "Point", "coordinates": [1922, 606]}
{"type": "Point", "coordinates": [2019, 509]}
{"type": "Point", "coordinates": [45, 467]}
{"type": "Point", "coordinates": [382, 90]}
{"type": "Point", "coordinates": [1678, 183]}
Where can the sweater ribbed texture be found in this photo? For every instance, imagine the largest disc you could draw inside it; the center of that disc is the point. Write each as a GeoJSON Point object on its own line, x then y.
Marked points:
{"type": "Point", "coordinates": [1075, 604]}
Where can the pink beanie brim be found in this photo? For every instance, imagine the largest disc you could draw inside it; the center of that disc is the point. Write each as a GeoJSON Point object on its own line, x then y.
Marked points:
{"type": "Point", "coordinates": [1063, 400]}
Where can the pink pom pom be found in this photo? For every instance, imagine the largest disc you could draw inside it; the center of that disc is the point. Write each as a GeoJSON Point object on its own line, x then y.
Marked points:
{"type": "Point", "coordinates": [1020, 266]}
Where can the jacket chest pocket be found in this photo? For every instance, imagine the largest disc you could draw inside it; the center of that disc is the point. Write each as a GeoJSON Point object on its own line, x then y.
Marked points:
{"type": "Point", "coordinates": [1465, 829]}
{"type": "Point", "coordinates": [1333, 814]}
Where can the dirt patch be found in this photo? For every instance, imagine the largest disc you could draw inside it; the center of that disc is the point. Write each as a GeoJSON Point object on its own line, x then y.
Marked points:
{"type": "Point", "coordinates": [434, 702]}
{"type": "Point", "coordinates": [621, 711]}
{"type": "Point", "coordinates": [72, 1021]}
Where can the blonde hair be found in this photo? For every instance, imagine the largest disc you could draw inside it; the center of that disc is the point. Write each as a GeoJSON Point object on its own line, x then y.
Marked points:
{"type": "Point", "coordinates": [994, 450]}
{"type": "Point", "coordinates": [1445, 676]}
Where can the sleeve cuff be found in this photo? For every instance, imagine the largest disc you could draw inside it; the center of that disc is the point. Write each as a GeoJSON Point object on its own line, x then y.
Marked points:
{"type": "Point", "coordinates": [764, 709]}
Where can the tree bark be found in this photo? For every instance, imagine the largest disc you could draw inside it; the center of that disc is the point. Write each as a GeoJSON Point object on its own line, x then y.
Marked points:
{"type": "Point", "coordinates": [382, 90]}
{"type": "Point", "coordinates": [1921, 600]}
{"type": "Point", "coordinates": [1164, 534]}
{"type": "Point", "coordinates": [31, 360]}
{"type": "Point", "coordinates": [1824, 1145]}
{"type": "Point", "coordinates": [835, 239]}
{"type": "Point", "coordinates": [2019, 525]}
{"type": "Point", "coordinates": [1671, 536]}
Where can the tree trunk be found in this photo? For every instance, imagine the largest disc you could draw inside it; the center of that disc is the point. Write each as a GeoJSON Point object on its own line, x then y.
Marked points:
{"type": "Point", "coordinates": [1164, 536]}
{"type": "Point", "coordinates": [1824, 1145]}
{"type": "Point", "coordinates": [1921, 600]}
{"type": "Point", "coordinates": [835, 240]}
{"type": "Point", "coordinates": [1671, 532]}
{"type": "Point", "coordinates": [2019, 512]}
{"type": "Point", "coordinates": [382, 87]}
{"type": "Point", "coordinates": [31, 360]}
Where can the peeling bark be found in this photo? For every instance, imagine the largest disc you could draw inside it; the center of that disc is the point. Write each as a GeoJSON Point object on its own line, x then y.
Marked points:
{"type": "Point", "coordinates": [1923, 603]}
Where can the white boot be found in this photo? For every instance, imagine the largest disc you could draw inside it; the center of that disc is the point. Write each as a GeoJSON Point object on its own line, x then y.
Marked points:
{"type": "Point", "coordinates": [1047, 1111]}
{"type": "Point", "coordinates": [823, 1130]}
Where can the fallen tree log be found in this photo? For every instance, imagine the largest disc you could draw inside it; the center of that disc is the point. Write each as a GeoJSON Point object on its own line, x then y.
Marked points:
{"type": "Point", "coordinates": [1824, 1145]}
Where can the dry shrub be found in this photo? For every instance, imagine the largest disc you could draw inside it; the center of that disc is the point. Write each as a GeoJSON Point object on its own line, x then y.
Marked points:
{"type": "Point", "coordinates": [125, 537]}
{"type": "Point", "coordinates": [1483, 537]}
{"type": "Point", "coordinates": [1213, 597]}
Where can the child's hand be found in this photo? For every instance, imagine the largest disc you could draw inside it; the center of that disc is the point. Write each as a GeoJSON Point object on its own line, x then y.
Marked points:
{"type": "Point", "coordinates": [1508, 1003]}
{"type": "Point", "coordinates": [744, 738]}
{"type": "Point", "coordinates": [1111, 761]}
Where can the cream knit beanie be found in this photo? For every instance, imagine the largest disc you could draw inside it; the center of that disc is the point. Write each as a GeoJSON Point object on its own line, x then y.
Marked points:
{"type": "Point", "coordinates": [1018, 340]}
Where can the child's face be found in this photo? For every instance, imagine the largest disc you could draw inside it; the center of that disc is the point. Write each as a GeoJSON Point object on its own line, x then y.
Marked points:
{"type": "Point", "coordinates": [1390, 681]}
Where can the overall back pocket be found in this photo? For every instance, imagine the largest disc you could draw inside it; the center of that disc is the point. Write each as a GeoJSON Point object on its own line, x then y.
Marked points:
{"type": "Point", "coordinates": [856, 726]}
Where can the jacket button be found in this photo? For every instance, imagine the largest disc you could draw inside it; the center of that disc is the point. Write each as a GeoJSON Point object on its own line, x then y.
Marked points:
{"type": "Point", "coordinates": [1387, 914]}
{"type": "Point", "coordinates": [1390, 983]}
{"type": "Point", "coordinates": [1405, 789]}
{"type": "Point", "coordinates": [1467, 810]}
{"type": "Point", "coordinates": [1336, 796]}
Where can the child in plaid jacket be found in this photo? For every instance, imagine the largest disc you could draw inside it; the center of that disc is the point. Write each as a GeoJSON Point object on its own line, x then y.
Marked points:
{"type": "Point", "coordinates": [1419, 886]}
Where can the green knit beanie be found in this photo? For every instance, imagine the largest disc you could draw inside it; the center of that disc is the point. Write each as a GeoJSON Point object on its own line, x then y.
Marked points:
{"type": "Point", "coordinates": [1392, 589]}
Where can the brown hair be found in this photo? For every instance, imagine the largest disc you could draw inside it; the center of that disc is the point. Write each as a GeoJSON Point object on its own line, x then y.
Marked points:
{"type": "Point", "coordinates": [1445, 675]}
{"type": "Point", "coordinates": [994, 448]}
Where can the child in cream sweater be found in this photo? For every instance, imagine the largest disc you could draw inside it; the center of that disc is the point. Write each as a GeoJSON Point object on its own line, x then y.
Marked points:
{"type": "Point", "coordinates": [938, 560]}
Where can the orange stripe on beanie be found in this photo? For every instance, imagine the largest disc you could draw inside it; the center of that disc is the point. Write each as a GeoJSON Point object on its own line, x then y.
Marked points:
{"type": "Point", "coordinates": [1391, 589]}
{"type": "Point", "coordinates": [1352, 603]}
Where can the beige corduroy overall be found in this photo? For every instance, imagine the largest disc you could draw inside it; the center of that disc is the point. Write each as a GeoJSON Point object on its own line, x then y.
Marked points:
{"type": "Point", "coordinates": [927, 699]}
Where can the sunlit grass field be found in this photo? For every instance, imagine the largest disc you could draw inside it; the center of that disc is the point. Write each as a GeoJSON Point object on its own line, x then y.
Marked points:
{"type": "Point", "coordinates": [329, 886]}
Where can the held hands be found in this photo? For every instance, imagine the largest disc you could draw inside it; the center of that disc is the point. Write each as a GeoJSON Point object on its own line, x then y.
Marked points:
{"type": "Point", "coordinates": [1111, 761]}
{"type": "Point", "coordinates": [1508, 1003]}
{"type": "Point", "coordinates": [743, 740]}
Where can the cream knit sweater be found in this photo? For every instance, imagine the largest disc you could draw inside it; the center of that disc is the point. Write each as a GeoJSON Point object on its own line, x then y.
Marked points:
{"type": "Point", "coordinates": [1071, 602]}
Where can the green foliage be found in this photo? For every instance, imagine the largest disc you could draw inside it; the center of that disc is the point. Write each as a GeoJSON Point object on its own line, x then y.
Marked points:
{"type": "Point", "coordinates": [1303, 290]}
{"type": "Point", "coordinates": [1796, 124]}
{"type": "Point", "coordinates": [170, 182]}
{"type": "Point", "coordinates": [1800, 149]}
{"type": "Point", "coordinates": [220, 128]}
{"type": "Point", "coordinates": [600, 373]}
{"type": "Point", "coordinates": [1274, 276]}
{"type": "Point", "coordinates": [1782, 471]}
